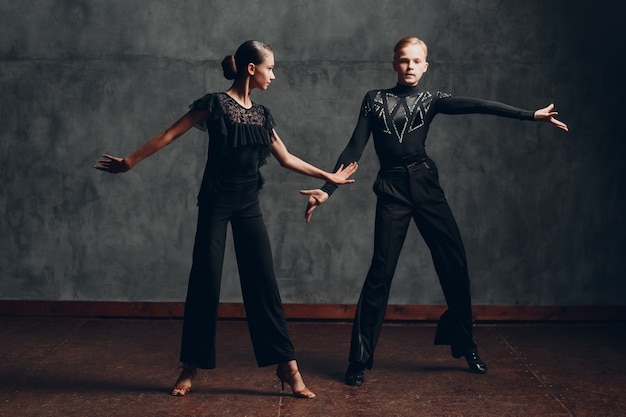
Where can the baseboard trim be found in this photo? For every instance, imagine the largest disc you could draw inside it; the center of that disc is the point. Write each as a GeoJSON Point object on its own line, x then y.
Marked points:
{"type": "Point", "coordinates": [175, 310]}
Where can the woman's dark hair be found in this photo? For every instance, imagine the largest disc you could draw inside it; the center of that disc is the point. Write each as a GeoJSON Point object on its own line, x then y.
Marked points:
{"type": "Point", "coordinates": [248, 52]}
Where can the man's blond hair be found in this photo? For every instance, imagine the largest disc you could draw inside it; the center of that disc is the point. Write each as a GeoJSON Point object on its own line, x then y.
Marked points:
{"type": "Point", "coordinates": [409, 40]}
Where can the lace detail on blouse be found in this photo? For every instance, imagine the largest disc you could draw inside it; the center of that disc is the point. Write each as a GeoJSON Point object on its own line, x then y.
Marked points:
{"type": "Point", "coordinates": [236, 114]}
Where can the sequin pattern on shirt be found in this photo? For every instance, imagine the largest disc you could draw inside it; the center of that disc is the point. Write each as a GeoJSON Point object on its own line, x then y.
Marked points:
{"type": "Point", "coordinates": [401, 115]}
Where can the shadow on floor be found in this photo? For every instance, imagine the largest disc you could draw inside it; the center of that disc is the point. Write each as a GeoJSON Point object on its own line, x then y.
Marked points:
{"type": "Point", "coordinates": [114, 367]}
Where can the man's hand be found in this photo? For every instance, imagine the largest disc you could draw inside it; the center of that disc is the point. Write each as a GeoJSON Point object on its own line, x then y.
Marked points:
{"type": "Point", "coordinates": [316, 198]}
{"type": "Point", "coordinates": [546, 114]}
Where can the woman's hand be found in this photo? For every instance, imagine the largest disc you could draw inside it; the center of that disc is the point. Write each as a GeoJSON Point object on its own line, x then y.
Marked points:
{"type": "Point", "coordinates": [343, 174]}
{"type": "Point", "coordinates": [316, 199]}
{"type": "Point", "coordinates": [546, 114]}
{"type": "Point", "coordinates": [112, 164]}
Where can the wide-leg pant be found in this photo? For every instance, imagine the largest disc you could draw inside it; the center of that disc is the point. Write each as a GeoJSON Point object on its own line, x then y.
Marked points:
{"type": "Point", "coordinates": [406, 193]}
{"type": "Point", "coordinates": [235, 202]}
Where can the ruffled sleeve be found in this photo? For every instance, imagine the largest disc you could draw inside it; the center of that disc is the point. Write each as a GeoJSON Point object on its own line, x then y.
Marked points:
{"type": "Point", "coordinates": [211, 104]}
{"type": "Point", "coordinates": [270, 123]}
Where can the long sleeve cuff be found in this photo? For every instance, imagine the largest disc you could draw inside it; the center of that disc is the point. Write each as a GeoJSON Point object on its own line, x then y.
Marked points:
{"type": "Point", "coordinates": [329, 188]}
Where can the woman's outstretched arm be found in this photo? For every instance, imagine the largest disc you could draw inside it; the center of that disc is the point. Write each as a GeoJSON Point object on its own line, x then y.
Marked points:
{"type": "Point", "coordinates": [287, 160]}
{"type": "Point", "coordinates": [115, 165]}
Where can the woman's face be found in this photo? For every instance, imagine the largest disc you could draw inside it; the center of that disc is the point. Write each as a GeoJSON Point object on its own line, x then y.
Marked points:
{"type": "Point", "coordinates": [410, 64]}
{"type": "Point", "coordinates": [261, 75]}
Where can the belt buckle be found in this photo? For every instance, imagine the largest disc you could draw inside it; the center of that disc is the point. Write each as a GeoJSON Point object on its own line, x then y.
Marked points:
{"type": "Point", "coordinates": [418, 163]}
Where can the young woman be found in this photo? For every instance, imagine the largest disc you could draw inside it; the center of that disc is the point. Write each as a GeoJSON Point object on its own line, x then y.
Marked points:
{"type": "Point", "coordinates": [241, 136]}
{"type": "Point", "coordinates": [407, 187]}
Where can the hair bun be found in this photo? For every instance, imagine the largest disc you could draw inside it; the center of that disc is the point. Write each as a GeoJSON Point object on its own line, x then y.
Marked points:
{"type": "Point", "coordinates": [229, 67]}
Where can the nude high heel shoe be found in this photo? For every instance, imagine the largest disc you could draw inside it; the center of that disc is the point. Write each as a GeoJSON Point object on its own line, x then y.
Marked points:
{"type": "Point", "coordinates": [187, 373]}
{"type": "Point", "coordinates": [288, 376]}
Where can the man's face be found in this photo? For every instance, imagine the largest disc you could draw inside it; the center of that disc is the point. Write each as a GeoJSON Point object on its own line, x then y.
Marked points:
{"type": "Point", "coordinates": [410, 64]}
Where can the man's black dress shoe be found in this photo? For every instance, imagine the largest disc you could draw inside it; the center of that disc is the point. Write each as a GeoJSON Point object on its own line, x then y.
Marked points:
{"type": "Point", "coordinates": [474, 362]}
{"type": "Point", "coordinates": [354, 374]}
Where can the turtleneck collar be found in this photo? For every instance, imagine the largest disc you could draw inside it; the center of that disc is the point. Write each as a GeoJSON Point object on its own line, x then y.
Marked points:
{"type": "Point", "coordinates": [405, 90]}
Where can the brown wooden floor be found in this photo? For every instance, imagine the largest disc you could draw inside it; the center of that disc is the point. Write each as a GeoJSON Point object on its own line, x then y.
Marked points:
{"type": "Point", "coordinates": [124, 367]}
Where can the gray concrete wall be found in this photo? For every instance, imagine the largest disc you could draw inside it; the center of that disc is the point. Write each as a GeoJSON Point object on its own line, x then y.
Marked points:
{"type": "Point", "coordinates": [541, 211]}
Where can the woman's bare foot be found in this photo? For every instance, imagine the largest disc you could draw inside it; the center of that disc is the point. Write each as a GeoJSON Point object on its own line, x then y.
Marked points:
{"type": "Point", "coordinates": [184, 381]}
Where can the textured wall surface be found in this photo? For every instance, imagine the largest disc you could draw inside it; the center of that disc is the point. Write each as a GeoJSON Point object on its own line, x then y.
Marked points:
{"type": "Point", "coordinates": [541, 211]}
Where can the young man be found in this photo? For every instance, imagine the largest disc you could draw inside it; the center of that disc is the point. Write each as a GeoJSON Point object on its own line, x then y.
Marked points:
{"type": "Point", "coordinates": [407, 187]}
